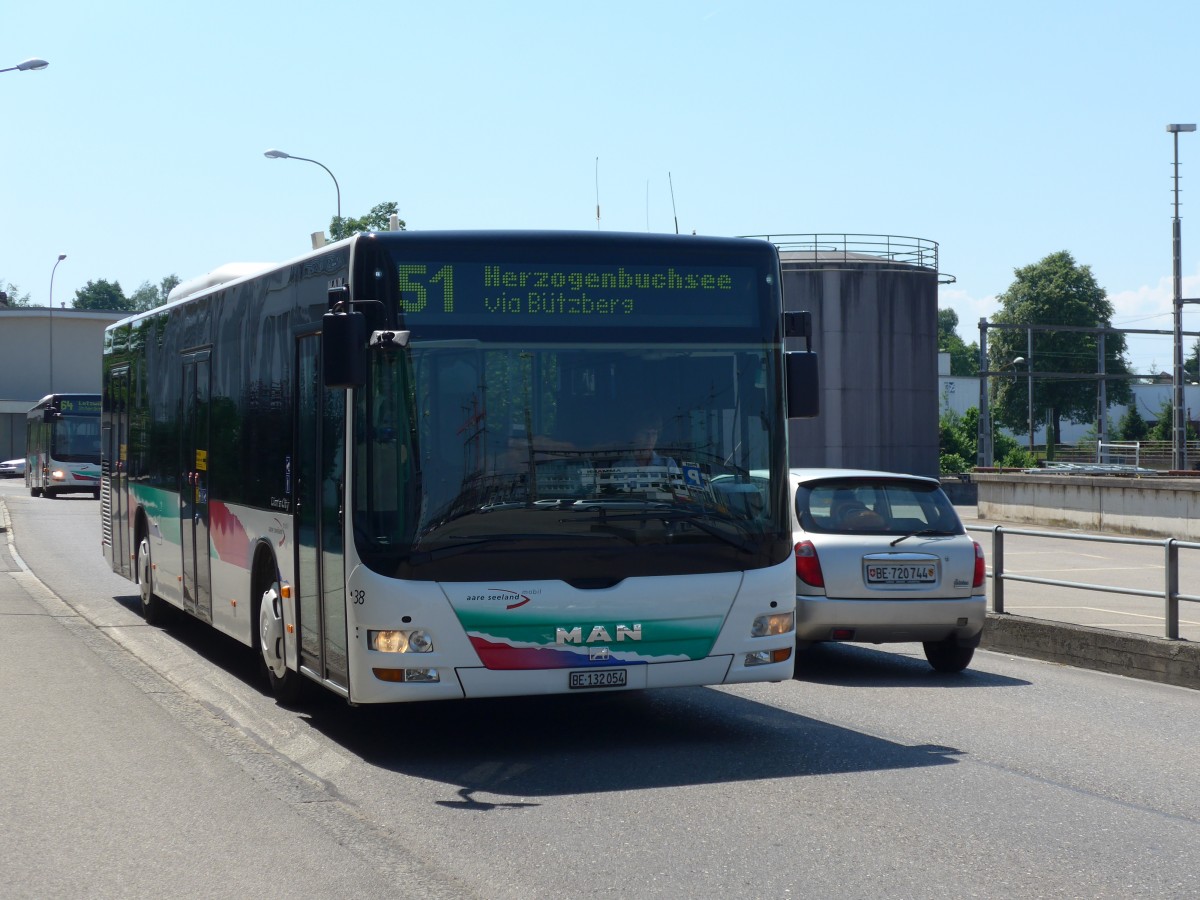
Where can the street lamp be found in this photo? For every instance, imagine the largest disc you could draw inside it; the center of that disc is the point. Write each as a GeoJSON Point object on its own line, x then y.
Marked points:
{"type": "Point", "coordinates": [30, 65]}
{"type": "Point", "coordinates": [1029, 384]}
{"type": "Point", "coordinates": [279, 154]}
{"type": "Point", "coordinates": [61, 257]}
{"type": "Point", "coordinates": [1179, 425]}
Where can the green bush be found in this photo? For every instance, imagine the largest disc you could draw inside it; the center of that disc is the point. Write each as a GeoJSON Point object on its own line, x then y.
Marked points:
{"type": "Point", "coordinates": [1018, 458]}
{"type": "Point", "coordinates": [953, 464]}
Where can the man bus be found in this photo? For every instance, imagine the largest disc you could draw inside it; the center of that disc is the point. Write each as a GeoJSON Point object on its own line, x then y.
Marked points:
{"type": "Point", "coordinates": [62, 445]}
{"type": "Point", "coordinates": [387, 465]}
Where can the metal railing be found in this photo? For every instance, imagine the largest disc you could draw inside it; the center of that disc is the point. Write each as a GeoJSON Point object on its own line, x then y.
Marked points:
{"type": "Point", "coordinates": [1144, 454]}
{"type": "Point", "coordinates": [911, 251]}
{"type": "Point", "coordinates": [1169, 593]}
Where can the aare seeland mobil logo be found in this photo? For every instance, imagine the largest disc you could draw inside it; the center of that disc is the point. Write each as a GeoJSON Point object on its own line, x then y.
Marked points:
{"type": "Point", "coordinates": [511, 599]}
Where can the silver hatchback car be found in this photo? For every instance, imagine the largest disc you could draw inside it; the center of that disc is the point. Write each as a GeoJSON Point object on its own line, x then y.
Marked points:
{"type": "Point", "coordinates": [882, 557]}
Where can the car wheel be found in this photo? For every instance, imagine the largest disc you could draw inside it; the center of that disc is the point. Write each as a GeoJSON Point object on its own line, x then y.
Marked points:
{"type": "Point", "coordinates": [285, 684]}
{"type": "Point", "coordinates": [948, 656]}
{"type": "Point", "coordinates": [154, 609]}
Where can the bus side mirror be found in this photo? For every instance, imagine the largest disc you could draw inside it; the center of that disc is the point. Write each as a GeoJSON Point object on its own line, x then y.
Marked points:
{"type": "Point", "coordinates": [50, 414]}
{"type": "Point", "coordinates": [344, 349]}
{"type": "Point", "coordinates": [803, 384]}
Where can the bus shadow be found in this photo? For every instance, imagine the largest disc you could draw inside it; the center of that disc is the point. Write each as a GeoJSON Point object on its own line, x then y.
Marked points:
{"type": "Point", "coordinates": [532, 747]}
{"type": "Point", "coordinates": [487, 750]}
{"type": "Point", "coordinates": [901, 666]}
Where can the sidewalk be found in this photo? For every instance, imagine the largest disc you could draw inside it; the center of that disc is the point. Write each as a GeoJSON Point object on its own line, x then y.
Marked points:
{"type": "Point", "coordinates": [104, 792]}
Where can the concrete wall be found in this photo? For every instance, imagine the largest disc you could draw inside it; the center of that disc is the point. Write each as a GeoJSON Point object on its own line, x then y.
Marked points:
{"type": "Point", "coordinates": [1146, 507]}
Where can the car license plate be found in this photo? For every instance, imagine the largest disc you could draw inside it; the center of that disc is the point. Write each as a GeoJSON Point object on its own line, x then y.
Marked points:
{"type": "Point", "coordinates": [598, 678]}
{"type": "Point", "coordinates": [905, 573]}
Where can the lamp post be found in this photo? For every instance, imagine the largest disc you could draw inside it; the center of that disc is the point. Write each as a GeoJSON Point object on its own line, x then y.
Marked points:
{"type": "Point", "coordinates": [1178, 423]}
{"type": "Point", "coordinates": [279, 154]}
{"type": "Point", "coordinates": [1017, 360]}
{"type": "Point", "coordinates": [61, 257]}
{"type": "Point", "coordinates": [30, 65]}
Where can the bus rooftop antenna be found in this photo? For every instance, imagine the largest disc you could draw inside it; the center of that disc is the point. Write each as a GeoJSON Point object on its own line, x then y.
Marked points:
{"type": "Point", "coordinates": [597, 193]}
{"type": "Point", "coordinates": [675, 214]}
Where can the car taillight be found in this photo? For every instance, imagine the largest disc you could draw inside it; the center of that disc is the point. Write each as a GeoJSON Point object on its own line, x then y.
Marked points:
{"type": "Point", "coordinates": [808, 565]}
{"type": "Point", "coordinates": [980, 567]}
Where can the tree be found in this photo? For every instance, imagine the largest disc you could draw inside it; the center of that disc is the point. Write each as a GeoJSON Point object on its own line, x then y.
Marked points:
{"type": "Point", "coordinates": [1132, 426]}
{"type": "Point", "coordinates": [13, 294]}
{"type": "Point", "coordinates": [1055, 291]}
{"type": "Point", "coordinates": [1191, 365]}
{"type": "Point", "coordinates": [102, 295]}
{"type": "Point", "coordinates": [378, 219]}
{"type": "Point", "coordinates": [964, 357]}
{"type": "Point", "coordinates": [148, 296]}
{"type": "Point", "coordinates": [1163, 428]}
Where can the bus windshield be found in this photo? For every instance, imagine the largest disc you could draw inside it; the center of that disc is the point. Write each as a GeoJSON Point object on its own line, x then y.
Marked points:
{"type": "Point", "coordinates": [75, 439]}
{"type": "Point", "coordinates": [474, 455]}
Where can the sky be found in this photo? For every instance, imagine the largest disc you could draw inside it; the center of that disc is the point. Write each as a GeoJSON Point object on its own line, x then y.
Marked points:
{"type": "Point", "coordinates": [1002, 132]}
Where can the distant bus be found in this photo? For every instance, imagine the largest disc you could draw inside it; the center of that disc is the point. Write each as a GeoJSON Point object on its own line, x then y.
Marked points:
{"type": "Point", "coordinates": [62, 446]}
{"type": "Point", "coordinates": [404, 466]}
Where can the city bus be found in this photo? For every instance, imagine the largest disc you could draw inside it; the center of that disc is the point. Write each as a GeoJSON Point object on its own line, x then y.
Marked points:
{"type": "Point", "coordinates": [62, 446]}
{"type": "Point", "coordinates": [402, 466]}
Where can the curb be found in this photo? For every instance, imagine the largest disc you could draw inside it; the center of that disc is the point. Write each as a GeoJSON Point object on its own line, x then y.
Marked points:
{"type": "Point", "coordinates": [1118, 653]}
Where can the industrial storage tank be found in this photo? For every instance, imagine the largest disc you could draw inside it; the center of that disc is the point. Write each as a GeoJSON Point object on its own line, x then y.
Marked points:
{"type": "Point", "coordinates": [873, 300]}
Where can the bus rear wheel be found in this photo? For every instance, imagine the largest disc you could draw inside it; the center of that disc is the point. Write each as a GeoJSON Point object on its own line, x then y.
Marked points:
{"type": "Point", "coordinates": [154, 609]}
{"type": "Point", "coordinates": [285, 684]}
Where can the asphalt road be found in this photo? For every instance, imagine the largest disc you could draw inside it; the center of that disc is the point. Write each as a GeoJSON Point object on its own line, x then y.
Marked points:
{"type": "Point", "coordinates": [869, 775]}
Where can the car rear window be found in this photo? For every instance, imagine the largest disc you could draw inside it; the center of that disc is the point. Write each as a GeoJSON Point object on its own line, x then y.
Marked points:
{"type": "Point", "coordinates": [876, 507]}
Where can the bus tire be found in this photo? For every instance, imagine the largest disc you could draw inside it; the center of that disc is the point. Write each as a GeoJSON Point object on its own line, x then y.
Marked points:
{"type": "Point", "coordinates": [35, 492]}
{"type": "Point", "coordinates": [272, 653]}
{"type": "Point", "coordinates": [154, 608]}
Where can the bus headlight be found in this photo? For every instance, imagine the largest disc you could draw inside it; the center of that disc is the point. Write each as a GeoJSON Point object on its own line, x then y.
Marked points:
{"type": "Point", "coordinates": [767, 657]}
{"type": "Point", "coordinates": [400, 641]}
{"type": "Point", "coordinates": [778, 623]}
{"type": "Point", "coordinates": [58, 475]}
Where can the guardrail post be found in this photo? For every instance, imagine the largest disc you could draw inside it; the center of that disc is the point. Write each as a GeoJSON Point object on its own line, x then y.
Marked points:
{"type": "Point", "coordinates": [998, 570]}
{"type": "Point", "coordinates": [1171, 588]}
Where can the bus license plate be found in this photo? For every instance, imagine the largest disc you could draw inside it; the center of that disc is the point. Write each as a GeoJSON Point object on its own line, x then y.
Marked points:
{"type": "Point", "coordinates": [598, 678]}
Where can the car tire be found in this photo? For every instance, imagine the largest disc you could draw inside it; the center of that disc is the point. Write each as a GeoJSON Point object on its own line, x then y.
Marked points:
{"type": "Point", "coordinates": [948, 656]}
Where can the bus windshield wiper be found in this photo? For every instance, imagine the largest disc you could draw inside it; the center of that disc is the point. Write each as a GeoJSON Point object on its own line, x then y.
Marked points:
{"type": "Point", "coordinates": [702, 521]}
{"type": "Point", "coordinates": [462, 546]}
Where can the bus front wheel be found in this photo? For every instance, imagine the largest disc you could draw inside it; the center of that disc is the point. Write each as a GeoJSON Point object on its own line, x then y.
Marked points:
{"type": "Point", "coordinates": [285, 684]}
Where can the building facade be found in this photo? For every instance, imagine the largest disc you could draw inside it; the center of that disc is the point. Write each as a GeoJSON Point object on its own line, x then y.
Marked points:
{"type": "Point", "coordinates": [44, 351]}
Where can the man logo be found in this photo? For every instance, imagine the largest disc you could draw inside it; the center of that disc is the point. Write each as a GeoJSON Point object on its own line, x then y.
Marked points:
{"type": "Point", "coordinates": [598, 634]}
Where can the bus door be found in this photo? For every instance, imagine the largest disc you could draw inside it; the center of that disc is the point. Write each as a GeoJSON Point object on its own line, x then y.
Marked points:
{"type": "Point", "coordinates": [194, 484]}
{"type": "Point", "coordinates": [114, 509]}
{"type": "Point", "coordinates": [319, 470]}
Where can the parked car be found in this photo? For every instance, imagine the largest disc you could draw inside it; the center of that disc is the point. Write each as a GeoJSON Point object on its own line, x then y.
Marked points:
{"type": "Point", "coordinates": [12, 468]}
{"type": "Point", "coordinates": [882, 557]}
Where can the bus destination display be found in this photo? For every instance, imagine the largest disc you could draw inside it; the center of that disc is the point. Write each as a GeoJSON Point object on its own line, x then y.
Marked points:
{"type": "Point", "coordinates": [529, 294]}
